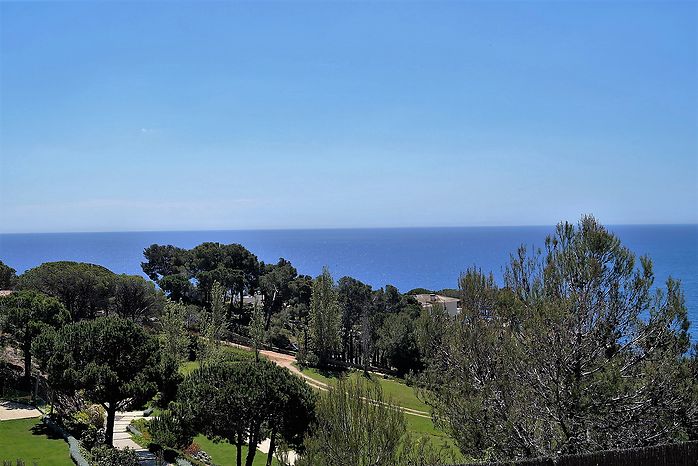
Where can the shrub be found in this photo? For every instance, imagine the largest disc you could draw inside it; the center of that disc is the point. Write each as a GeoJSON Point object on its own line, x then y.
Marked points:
{"type": "Point", "coordinates": [108, 456]}
{"type": "Point", "coordinates": [84, 420]}
{"type": "Point", "coordinates": [168, 430]}
{"type": "Point", "coordinates": [192, 449]}
{"type": "Point", "coordinates": [312, 359]}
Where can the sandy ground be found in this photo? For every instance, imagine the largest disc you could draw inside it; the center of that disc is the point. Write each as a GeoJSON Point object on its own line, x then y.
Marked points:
{"type": "Point", "coordinates": [11, 410]}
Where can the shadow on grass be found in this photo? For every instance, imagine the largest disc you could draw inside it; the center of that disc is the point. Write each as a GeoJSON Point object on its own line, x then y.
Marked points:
{"type": "Point", "coordinates": [331, 372]}
{"type": "Point", "coordinates": [43, 430]}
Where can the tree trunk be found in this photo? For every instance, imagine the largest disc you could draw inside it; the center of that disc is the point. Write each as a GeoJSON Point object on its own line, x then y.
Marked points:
{"type": "Point", "coordinates": [252, 446]}
{"type": "Point", "coordinates": [231, 307]}
{"type": "Point", "coordinates": [111, 415]}
{"type": "Point", "coordinates": [238, 445]}
{"type": "Point", "coordinates": [272, 447]}
{"type": "Point", "coordinates": [27, 350]}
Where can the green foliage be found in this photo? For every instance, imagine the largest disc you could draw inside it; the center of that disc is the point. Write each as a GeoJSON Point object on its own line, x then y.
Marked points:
{"type": "Point", "coordinates": [25, 314]}
{"type": "Point", "coordinates": [173, 336]}
{"type": "Point", "coordinates": [214, 325]}
{"type": "Point", "coordinates": [355, 301]}
{"type": "Point", "coordinates": [162, 261]}
{"type": "Point", "coordinates": [108, 456]}
{"type": "Point", "coordinates": [86, 424]}
{"type": "Point", "coordinates": [8, 277]}
{"type": "Point", "coordinates": [281, 330]}
{"type": "Point", "coordinates": [398, 342]}
{"type": "Point", "coordinates": [136, 298]}
{"type": "Point", "coordinates": [231, 265]}
{"type": "Point", "coordinates": [358, 426]}
{"type": "Point", "coordinates": [174, 342]}
{"type": "Point", "coordinates": [325, 317]}
{"type": "Point", "coordinates": [257, 329]}
{"type": "Point", "coordinates": [84, 289]}
{"type": "Point", "coordinates": [239, 401]}
{"type": "Point", "coordinates": [108, 359]}
{"type": "Point", "coordinates": [576, 354]}
{"type": "Point", "coordinates": [170, 430]}
{"type": "Point", "coordinates": [275, 285]}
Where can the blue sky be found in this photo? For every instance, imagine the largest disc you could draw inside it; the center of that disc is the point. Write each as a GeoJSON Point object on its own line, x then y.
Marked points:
{"type": "Point", "coordinates": [157, 116]}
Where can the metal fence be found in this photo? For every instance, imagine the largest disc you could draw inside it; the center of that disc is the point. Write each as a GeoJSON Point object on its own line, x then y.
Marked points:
{"type": "Point", "coordinates": [675, 454]}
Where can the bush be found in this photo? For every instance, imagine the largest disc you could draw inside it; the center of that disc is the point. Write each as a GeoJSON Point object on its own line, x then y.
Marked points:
{"type": "Point", "coordinates": [91, 437]}
{"type": "Point", "coordinates": [312, 359]}
{"type": "Point", "coordinates": [192, 449]}
{"type": "Point", "coordinates": [85, 423]}
{"type": "Point", "coordinates": [108, 456]}
{"type": "Point", "coordinates": [168, 430]}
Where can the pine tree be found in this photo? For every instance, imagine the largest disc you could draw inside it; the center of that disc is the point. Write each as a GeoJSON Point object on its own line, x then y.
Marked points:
{"type": "Point", "coordinates": [325, 317]}
{"type": "Point", "coordinates": [214, 324]}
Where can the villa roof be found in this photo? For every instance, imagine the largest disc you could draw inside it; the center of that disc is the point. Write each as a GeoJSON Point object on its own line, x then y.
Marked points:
{"type": "Point", "coordinates": [433, 298]}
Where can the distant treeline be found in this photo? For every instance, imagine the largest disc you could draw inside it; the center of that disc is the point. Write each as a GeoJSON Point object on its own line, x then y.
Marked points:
{"type": "Point", "coordinates": [579, 350]}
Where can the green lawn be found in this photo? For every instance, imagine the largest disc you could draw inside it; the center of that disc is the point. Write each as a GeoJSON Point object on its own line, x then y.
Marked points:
{"type": "Point", "coordinates": [224, 454]}
{"type": "Point", "coordinates": [402, 395]}
{"type": "Point", "coordinates": [231, 354]}
{"type": "Point", "coordinates": [397, 390]}
{"type": "Point", "coordinates": [188, 367]}
{"type": "Point", "coordinates": [29, 440]}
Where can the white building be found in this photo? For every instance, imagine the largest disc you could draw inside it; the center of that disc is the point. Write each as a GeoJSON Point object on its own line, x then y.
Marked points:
{"type": "Point", "coordinates": [451, 305]}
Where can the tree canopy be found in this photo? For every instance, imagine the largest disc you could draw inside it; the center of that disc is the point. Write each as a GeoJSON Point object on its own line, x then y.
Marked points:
{"type": "Point", "coordinates": [84, 289]}
{"type": "Point", "coordinates": [8, 277]}
{"type": "Point", "coordinates": [242, 402]}
{"type": "Point", "coordinates": [110, 359]}
{"type": "Point", "coordinates": [358, 426]}
{"type": "Point", "coordinates": [25, 314]}
{"type": "Point", "coordinates": [136, 298]}
{"type": "Point", "coordinates": [325, 317]}
{"type": "Point", "coordinates": [576, 353]}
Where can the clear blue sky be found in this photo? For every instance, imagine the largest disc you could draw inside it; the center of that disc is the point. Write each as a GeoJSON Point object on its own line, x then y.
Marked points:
{"type": "Point", "coordinates": [156, 116]}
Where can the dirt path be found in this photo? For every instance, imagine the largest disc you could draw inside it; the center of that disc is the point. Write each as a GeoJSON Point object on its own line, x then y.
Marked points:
{"type": "Point", "coordinates": [288, 361]}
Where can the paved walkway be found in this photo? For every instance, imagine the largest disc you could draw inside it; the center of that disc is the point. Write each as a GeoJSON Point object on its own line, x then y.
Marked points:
{"type": "Point", "coordinates": [264, 448]}
{"type": "Point", "coordinates": [122, 436]}
{"type": "Point", "coordinates": [11, 410]}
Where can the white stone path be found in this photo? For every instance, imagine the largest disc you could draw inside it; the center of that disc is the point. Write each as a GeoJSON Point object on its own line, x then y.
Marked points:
{"type": "Point", "coordinates": [11, 410]}
{"type": "Point", "coordinates": [123, 440]}
{"type": "Point", "coordinates": [122, 436]}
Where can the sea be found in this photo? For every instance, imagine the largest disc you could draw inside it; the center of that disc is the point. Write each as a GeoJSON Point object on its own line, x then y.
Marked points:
{"type": "Point", "coordinates": [407, 258]}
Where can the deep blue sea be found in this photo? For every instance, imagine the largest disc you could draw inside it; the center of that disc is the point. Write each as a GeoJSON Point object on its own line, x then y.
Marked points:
{"type": "Point", "coordinates": [405, 257]}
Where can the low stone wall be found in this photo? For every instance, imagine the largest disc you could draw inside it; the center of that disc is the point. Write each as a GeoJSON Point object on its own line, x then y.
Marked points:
{"type": "Point", "coordinates": [75, 452]}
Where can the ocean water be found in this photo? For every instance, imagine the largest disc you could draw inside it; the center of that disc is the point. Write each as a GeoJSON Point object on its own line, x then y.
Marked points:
{"type": "Point", "coordinates": [404, 257]}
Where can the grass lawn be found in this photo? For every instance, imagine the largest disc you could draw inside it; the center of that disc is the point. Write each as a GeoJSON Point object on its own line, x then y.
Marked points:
{"type": "Point", "coordinates": [424, 427]}
{"type": "Point", "coordinates": [188, 367]}
{"type": "Point", "coordinates": [231, 354]}
{"type": "Point", "coordinates": [224, 454]}
{"type": "Point", "coordinates": [400, 393]}
{"type": "Point", "coordinates": [29, 440]}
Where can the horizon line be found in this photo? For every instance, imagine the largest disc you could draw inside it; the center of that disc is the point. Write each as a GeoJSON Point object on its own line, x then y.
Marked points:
{"type": "Point", "coordinates": [329, 228]}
